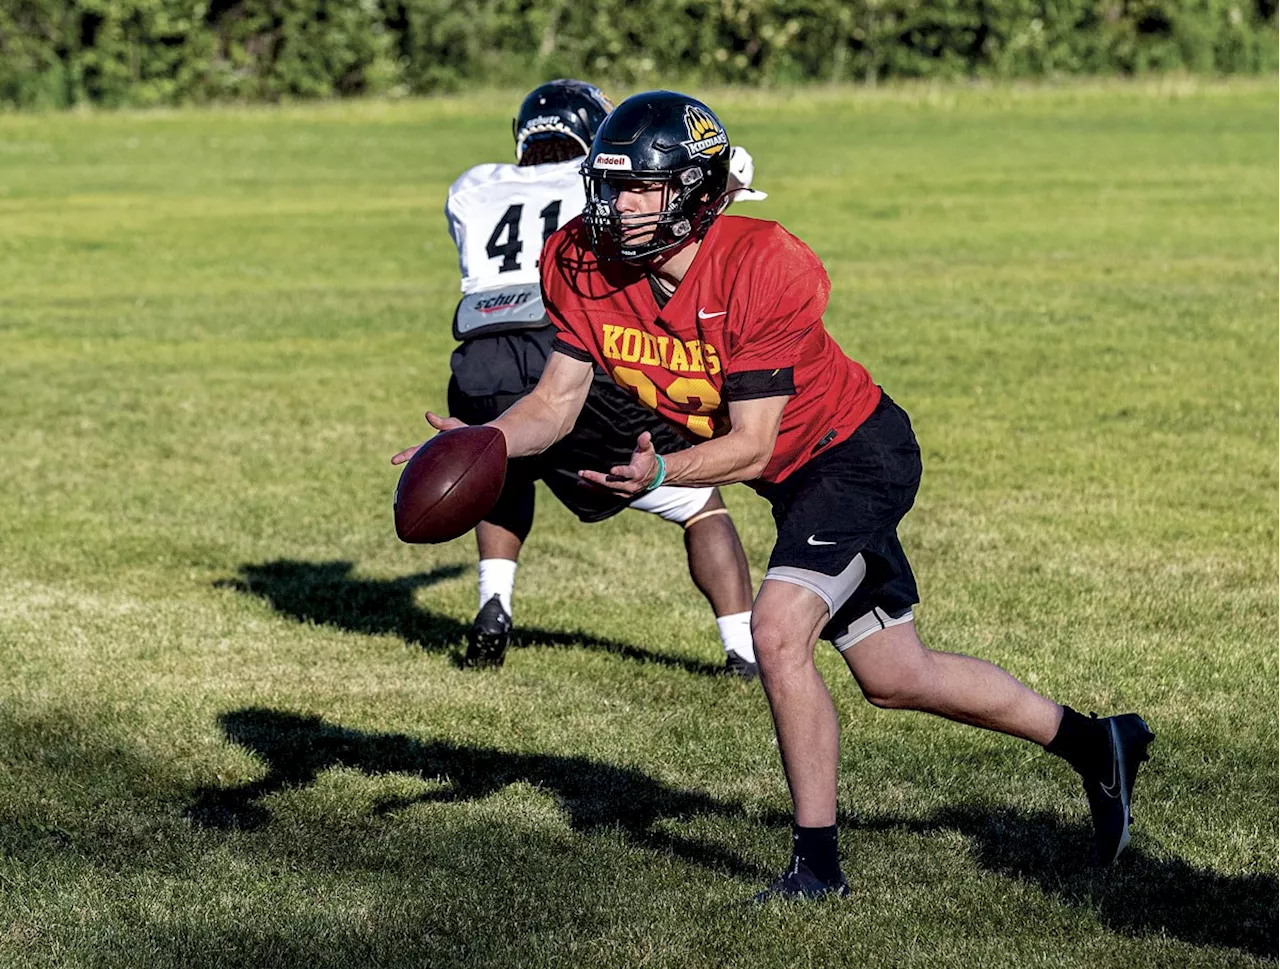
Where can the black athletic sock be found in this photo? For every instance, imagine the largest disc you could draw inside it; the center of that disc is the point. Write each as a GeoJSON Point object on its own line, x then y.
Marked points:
{"type": "Point", "coordinates": [818, 849]}
{"type": "Point", "coordinates": [1082, 742]}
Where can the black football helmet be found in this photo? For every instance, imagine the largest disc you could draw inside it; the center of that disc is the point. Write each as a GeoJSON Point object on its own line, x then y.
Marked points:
{"type": "Point", "coordinates": [567, 110]}
{"type": "Point", "coordinates": [658, 136]}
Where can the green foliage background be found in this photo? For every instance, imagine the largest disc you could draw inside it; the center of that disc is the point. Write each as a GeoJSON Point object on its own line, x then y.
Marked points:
{"type": "Point", "coordinates": [57, 53]}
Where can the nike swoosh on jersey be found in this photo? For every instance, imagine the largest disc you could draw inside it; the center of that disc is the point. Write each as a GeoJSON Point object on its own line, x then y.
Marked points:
{"type": "Point", "coordinates": [704, 315]}
{"type": "Point", "coordinates": [813, 540]}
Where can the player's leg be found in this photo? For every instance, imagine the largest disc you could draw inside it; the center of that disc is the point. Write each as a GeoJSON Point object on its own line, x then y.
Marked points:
{"type": "Point", "coordinates": [717, 564]}
{"type": "Point", "coordinates": [499, 539]}
{"type": "Point", "coordinates": [501, 536]}
{"type": "Point", "coordinates": [495, 541]}
{"type": "Point", "coordinates": [489, 374]}
{"type": "Point", "coordinates": [896, 671]}
{"type": "Point", "coordinates": [718, 567]}
{"type": "Point", "coordinates": [872, 478]}
{"type": "Point", "coordinates": [863, 577]}
{"type": "Point", "coordinates": [785, 624]}
{"type": "Point", "coordinates": [873, 627]}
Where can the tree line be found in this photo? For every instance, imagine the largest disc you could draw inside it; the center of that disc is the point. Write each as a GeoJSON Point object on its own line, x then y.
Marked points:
{"type": "Point", "coordinates": [59, 53]}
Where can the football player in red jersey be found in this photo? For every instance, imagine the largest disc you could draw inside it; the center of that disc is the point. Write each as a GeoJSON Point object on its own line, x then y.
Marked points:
{"type": "Point", "coordinates": [715, 322]}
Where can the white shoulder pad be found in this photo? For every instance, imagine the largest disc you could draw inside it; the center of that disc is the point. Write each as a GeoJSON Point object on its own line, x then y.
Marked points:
{"type": "Point", "coordinates": [478, 176]}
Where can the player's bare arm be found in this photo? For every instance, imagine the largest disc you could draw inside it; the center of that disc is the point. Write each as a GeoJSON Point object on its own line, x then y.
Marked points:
{"type": "Point", "coordinates": [548, 413]}
{"type": "Point", "coordinates": [538, 420]}
{"type": "Point", "coordinates": [740, 455]}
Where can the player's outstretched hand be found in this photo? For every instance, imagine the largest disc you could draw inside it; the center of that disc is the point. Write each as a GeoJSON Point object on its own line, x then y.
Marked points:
{"type": "Point", "coordinates": [630, 479]}
{"type": "Point", "coordinates": [436, 421]}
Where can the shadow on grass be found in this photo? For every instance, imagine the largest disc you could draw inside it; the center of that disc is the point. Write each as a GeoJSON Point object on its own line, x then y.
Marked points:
{"type": "Point", "coordinates": [1139, 895]}
{"type": "Point", "coordinates": [596, 796]}
{"type": "Point", "coordinates": [328, 594]}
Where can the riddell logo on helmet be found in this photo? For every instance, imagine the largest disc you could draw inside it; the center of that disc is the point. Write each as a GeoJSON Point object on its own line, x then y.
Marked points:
{"type": "Point", "coordinates": [706, 137]}
{"type": "Point", "coordinates": [615, 162]}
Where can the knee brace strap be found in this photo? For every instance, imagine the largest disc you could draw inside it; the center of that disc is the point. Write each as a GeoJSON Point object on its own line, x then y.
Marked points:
{"type": "Point", "coordinates": [688, 523]}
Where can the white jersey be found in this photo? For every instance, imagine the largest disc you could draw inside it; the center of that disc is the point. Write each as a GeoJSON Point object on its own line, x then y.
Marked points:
{"type": "Point", "coordinates": [499, 216]}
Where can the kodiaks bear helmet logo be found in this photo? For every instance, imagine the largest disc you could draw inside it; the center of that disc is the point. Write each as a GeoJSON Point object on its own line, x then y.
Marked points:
{"type": "Point", "coordinates": [706, 137]}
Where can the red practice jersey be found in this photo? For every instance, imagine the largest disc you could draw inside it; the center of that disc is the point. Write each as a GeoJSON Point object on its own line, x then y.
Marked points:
{"type": "Point", "coordinates": [745, 322]}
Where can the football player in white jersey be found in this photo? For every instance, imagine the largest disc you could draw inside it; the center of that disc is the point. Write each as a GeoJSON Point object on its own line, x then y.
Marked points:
{"type": "Point", "coordinates": [499, 215]}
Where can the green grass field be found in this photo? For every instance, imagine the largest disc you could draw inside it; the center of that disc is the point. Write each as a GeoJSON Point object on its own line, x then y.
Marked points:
{"type": "Point", "coordinates": [233, 728]}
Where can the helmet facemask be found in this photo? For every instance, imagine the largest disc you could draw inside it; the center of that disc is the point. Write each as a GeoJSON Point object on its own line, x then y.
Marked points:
{"type": "Point", "coordinates": [687, 211]}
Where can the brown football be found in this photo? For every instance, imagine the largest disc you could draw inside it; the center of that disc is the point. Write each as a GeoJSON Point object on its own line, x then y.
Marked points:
{"type": "Point", "coordinates": [450, 484]}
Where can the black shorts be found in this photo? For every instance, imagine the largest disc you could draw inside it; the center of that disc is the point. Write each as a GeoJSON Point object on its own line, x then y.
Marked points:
{"type": "Point", "coordinates": [837, 518]}
{"type": "Point", "coordinates": [492, 373]}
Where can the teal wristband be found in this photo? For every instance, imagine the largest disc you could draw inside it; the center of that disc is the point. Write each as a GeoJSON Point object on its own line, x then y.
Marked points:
{"type": "Point", "coordinates": [662, 475]}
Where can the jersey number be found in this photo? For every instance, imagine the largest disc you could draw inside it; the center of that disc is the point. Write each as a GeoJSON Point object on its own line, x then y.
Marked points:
{"type": "Point", "coordinates": [683, 390]}
{"type": "Point", "coordinates": [509, 226]}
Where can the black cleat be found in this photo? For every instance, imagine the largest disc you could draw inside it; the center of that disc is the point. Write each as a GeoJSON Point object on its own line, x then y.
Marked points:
{"type": "Point", "coordinates": [735, 664]}
{"type": "Point", "coordinates": [489, 635]}
{"type": "Point", "coordinates": [799, 884]}
{"type": "Point", "coordinates": [1110, 793]}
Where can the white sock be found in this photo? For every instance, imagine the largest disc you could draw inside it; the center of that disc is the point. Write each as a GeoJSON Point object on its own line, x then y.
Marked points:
{"type": "Point", "coordinates": [735, 633]}
{"type": "Point", "coordinates": [497, 578]}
